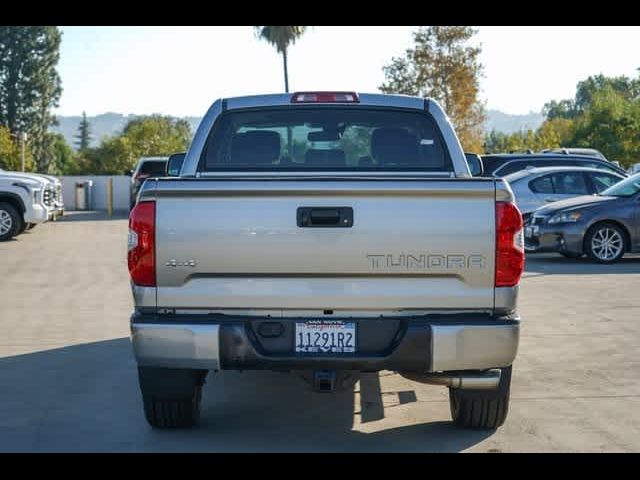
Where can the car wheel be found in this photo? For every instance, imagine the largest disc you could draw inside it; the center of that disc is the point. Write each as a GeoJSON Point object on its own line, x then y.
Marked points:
{"type": "Point", "coordinates": [11, 223]}
{"type": "Point", "coordinates": [171, 396]}
{"type": "Point", "coordinates": [605, 243]}
{"type": "Point", "coordinates": [481, 408]}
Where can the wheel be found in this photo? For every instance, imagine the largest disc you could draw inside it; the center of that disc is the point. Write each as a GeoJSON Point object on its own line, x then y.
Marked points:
{"type": "Point", "coordinates": [570, 254]}
{"type": "Point", "coordinates": [11, 223]}
{"type": "Point", "coordinates": [171, 397]}
{"type": "Point", "coordinates": [605, 243]}
{"type": "Point", "coordinates": [481, 408]}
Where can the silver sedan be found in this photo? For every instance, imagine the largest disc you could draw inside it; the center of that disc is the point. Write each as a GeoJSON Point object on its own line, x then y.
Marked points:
{"type": "Point", "coordinates": [535, 187]}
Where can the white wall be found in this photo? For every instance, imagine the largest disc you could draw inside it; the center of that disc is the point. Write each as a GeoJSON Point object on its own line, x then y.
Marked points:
{"type": "Point", "coordinates": [121, 191]}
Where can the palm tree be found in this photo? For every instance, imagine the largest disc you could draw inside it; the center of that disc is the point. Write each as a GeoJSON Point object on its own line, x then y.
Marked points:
{"type": "Point", "coordinates": [281, 38]}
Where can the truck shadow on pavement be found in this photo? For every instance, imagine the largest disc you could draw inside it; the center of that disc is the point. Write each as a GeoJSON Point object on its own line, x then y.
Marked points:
{"type": "Point", "coordinates": [554, 264]}
{"type": "Point", "coordinates": [86, 398]}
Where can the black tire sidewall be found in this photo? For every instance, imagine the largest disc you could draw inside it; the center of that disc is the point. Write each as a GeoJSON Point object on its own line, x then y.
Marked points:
{"type": "Point", "coordinates": [592, 232]}
{"type": "Point", "coordinates": [16, 221]}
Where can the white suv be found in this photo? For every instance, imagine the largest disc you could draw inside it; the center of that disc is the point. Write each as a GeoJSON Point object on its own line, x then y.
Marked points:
{"type": "Point", "coordinates": [21, 203]}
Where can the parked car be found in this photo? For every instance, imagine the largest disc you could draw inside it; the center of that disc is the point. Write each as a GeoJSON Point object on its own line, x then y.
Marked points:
{"type": "Point", "coordinates": [326, 261]}
{"type": "Point", "coordinates": [536, 186]}
{"type": "Point", "coordinates": [52, 194]}
{"type": "Point", "coordinates": [603, 226]}
{"type": "Point", "coordinates": [591, 152]}
{"type": "Point", "coordinates": [145, 168]}
{"type": "Point", "coordinates": [21, 203]}
{"type": "Point", "coordinates": [501, 164]}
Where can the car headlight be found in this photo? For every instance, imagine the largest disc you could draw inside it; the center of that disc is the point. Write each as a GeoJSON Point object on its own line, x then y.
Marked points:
{"type": "Point", "coordinates": [565, 217]}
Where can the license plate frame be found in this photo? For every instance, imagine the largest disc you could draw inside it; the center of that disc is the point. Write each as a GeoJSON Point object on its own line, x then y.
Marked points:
{"type": "Point", "coordinates": [309, 340]}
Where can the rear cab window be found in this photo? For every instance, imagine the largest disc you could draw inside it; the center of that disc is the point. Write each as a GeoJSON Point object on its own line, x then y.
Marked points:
{"type": "Point", "coordinates": [320, 138]}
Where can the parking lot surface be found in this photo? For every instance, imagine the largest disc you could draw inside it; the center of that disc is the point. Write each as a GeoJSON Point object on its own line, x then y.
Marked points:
{"type": "Point", "coordinates": [68, 378]}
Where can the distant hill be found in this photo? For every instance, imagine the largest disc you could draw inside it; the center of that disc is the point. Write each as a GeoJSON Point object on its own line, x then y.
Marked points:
{"type": "Point", "coordinates": [506, 123]}
{"type": "Point", "coordinates": [110, 123]}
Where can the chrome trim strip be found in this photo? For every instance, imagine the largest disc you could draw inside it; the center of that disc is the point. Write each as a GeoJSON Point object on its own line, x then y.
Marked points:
{"type": "Point", "coordinates": [473, 347]}
{"type": "Point", "coordinates": [176, 346]}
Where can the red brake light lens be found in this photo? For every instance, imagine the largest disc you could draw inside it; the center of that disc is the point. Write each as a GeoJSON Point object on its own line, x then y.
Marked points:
{"type": "Point", "coordinates": [325, 97]}
{"type": "Point", "coordinates": [509, 245]}
{"type": "Point", "coordinates": [141, 244]}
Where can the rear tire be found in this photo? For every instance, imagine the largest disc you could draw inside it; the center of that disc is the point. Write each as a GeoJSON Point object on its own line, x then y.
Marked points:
{"type": "Point", "coordinates": [11, 223]}
{"type": "Point", "coordinates": [171, 397]}
{"type": "Point", "coordinates": [481, 408]}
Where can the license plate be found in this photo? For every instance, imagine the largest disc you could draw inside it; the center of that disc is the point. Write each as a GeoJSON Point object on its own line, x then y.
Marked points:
{"type": "Point", "coordinates": [325, 336]}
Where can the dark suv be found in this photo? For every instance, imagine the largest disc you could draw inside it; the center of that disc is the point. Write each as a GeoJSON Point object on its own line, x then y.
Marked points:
{"type": "Point", "coordinates": [146, 167]}
{"type": "Point", "coordinates": [501, 164]}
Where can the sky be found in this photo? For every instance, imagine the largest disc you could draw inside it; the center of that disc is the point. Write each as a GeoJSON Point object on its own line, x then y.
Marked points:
{"type": "Point", "coordinates": [180, 71]}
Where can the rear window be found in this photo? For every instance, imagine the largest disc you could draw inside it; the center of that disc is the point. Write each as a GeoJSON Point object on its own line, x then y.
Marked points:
{"type": "Point", "coordinates": [325, 138]}
{"type": "Point", "coordinates": [491, 164]}
{"type": "Point", "coordinates": [153, 167]}
{"type": "Point", "coordinates": [515, 166]}
{"type": "Point", "coordinates": [541, 185]}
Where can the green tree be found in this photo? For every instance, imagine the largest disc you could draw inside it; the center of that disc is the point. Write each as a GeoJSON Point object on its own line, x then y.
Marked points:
{"type": "Point", "coordinates": [11, 153]}
{"type": "Point", "coordinates": [611, 124]}
{"type": "Point", "coordinates": [58, 155]}
{"type": "Point", "coordinates": [281, 38]}
{"type": "Point", "coordinates": [565, 109]}
{"type": "Point", "coordinates": [442, 65]}
{"type": "Point", "coordinates": [84, 134]}
{"type": "Point", "coordinates": [627, 87]}
{"type": "Point", "coordinates": [29, 82]}
{"type": "Point", "coordinates": [545, 137]}
{"type": "Point", "coordinates": [154, 135]}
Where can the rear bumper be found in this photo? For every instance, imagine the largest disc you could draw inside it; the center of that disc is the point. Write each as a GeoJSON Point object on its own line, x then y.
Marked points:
{"type": "Point", "coordinates": [411, 344]}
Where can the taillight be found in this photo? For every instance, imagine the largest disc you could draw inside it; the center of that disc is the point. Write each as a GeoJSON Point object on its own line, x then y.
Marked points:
{"type": "Point", "coordinates": [141, 244]}
{"type": "Point", "coordinates": [509, 245]}
{"type": "Point", "coordinates": [325, 97]}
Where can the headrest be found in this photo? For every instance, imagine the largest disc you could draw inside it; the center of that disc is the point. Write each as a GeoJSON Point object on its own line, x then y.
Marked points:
{"type": "Point", "coordinates": [394, 146]}
{"type": "Point", "coordinates": [258, 147]}
{"type": "Point", "coordinates": [325, 158]}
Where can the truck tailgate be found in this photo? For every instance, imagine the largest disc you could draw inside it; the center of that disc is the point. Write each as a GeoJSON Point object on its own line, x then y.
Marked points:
{"type": "Point", "coordinates": [237, 244]}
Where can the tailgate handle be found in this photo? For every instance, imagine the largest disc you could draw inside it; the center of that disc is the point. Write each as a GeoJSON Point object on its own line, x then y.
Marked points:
{"type": "Point", "coordinates": [327, 217]}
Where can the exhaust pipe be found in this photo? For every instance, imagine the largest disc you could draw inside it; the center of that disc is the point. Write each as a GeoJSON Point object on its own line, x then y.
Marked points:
{"type": "Point", "coordinates": [488, 380]}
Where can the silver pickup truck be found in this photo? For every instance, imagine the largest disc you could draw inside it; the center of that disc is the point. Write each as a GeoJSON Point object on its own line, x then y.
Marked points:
{"type": "Point", "coordinates": [326, 234]}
